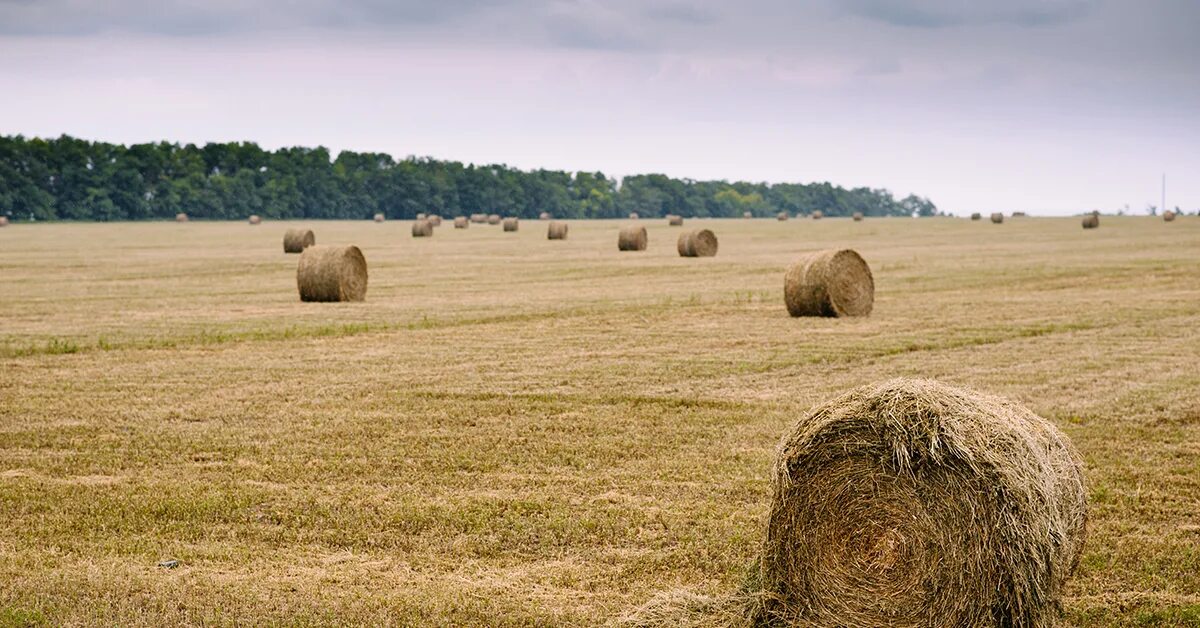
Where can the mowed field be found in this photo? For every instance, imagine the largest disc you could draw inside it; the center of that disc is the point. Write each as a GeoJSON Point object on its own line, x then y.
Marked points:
{"type": "Point", "coordinates": [512, 430]}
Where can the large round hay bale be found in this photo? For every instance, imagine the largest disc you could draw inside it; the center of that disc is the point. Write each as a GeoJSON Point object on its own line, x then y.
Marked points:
{"type": "Point", "coordinates": [556, 230]}
{"type": "Point", "coordinates": [781, 216]}
{"type": "Point", "coordinates": [461, 222]}
{"type": "Point", "coordinates": [632, 238]}
{"type": "Point", "coordinates": [379, 217]}
{"type": "Point", "coordinates": [976, 216]}
{"type": "Point", "coordinates": [747, 214]}
{"type": "Point", "coordinates": [697, 243]}
{"type": "Point", "coordinates": [296, 240]}
{"type": "Point", "coordinates": [833, 282]}
{"type": "Point", "coordinates": [3, 221]}
{"type": "Point", "coordinates": [913, 503]}
{"type": "Point", "coordinates": [997, 217]}
{"type": "Point", "coordinates": [434, 220]}
{"type": "Point", "coordinates": [544, 216]}
{"type": "Point", "coordinates": [1090, 222]}
{"type": "Point", "coordinates": [511, 224]}
{"type": "Point", "coordinates": [858, 216]}
{"type": "Point", "coordinates": [674, 220]}
{"type": "Point", "coordinates": [255, 219]}
{"type": "Point", "coordinates": [478, 218]}
{"type": "Point", "coordinates": [818, 214]}
{"type": "Point", "coordinates": [422, 228]}
{"type": "Point", "coordinates": [493, 219]}
{"type": "Point", "coordinates": [1168, 215]}
{"type": "Point", "coordinates": [332, 273]}
{"type": "Point", "coordinates": [181, 217]}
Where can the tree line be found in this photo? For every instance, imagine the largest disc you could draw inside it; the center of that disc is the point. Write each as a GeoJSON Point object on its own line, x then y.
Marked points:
{"type": "Point", "coordinates": [73, 179]}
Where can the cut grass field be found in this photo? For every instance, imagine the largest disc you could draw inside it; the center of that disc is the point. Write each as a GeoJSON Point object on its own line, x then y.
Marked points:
{"type": "Point", "coordinates": [512, 430]}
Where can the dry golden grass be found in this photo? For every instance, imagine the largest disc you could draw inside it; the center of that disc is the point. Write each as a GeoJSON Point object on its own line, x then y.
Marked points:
{"type": "Point", "coordinates": [554, 448]}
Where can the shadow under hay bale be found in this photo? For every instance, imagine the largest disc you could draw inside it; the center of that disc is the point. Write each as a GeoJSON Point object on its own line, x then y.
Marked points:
{"type": "Point", "coordinates": [296, 240]}
{"type": "Point", "coordinates": [332, 273]}
{"type": "Point", "coordinates": [181, 217]}
{"type": "Point", "coordinates": [1091, 222]}
{"type": "Point", "coordinates": [511, 224]}
{"type": "Point", "coordinates": [832, 282]}
{"type": "Point", "coordinates": [422, 229]}
{"type": "Point", "coordinates": [698, 243]}
{"type": "Point", "coordinates": [997, 218]}
{"type": "Point", "coordinates": [632, 238]}
{"type": "Point", "coordinates": [556, 230]}
{"type": "Point", "coordinates": [674, 220]}
{"type": "Point", "coordinates": [255, 219]}
{"type": "Point", "coordinates": [461, 222]}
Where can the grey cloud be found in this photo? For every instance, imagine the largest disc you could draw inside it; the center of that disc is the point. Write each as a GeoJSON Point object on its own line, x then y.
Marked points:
{"type": "Point", "coordinates": [947, 13]}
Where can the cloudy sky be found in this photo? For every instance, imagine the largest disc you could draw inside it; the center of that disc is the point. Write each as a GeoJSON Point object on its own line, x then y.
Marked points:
{"type": "Point", "coordinates": [1047, 106]}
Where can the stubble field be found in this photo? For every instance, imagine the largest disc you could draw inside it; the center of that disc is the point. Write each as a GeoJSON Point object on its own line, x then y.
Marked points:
{"type": "Point", "coordinates": [512, 430]}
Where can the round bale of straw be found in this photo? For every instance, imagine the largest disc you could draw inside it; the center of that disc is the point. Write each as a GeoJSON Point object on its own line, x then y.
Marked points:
{"type": "Point", "coordinates": [747, 215]}
{"type": "Point", "coordinates": [422, 216]}
{"type": "Point", "coordinates": [818, 214]}
{"type": "Point", "coordinates": [296, 240]}
{"type": "Point", "coordinates": [1090, 222]}
{"type": "Point", "coordinates": [633, 215]}
{"type": "Point", "coordinates": [1168, 215]}
{"type": "Point", "coordinates": [181, 217]}
{"type": "Point", "coordinates": [434, 220]}
{"type": "Point", "coordinates": [511, 224]}
{"type": "Point", "coordinates": [3, 221]}
{"type": "Point", "coordinates": [556, 230]}
{"type": "Point", "coordinates": [332, 273]}
{"type": "Point", "coordinates": [255, 219]}
{"type": "Point", "coordinates": [997, 218]}
{"type": "Point", "coordinates": [544, 216]}
{"type": "Point", "coordinates": [478, 218]}
{"type": "Point", "coordinates": [697, 243]}
{"type": "Point", "coordinates": [493, 219]}
{"type": "Point", "coordinates": [913, 503]}
{"type": "Point", "coordinates": [977, 216]}
{"type": "Point", "coordinates": [632, 238]}
{"type": "Point", "coordinates": [858, 216]}
{"type": "Point", "coordinates": [461, 222]}
{"type": "Point", "coordinates": [422, 228]}
{"type": "Point", "coordinates": [833, 282]}
{"type": "Point", "coordinates": [781, 216]}
{"type": "Point", "coordinates": [674, 220]}
{"type": "Point", "coordinates": [378, 217]}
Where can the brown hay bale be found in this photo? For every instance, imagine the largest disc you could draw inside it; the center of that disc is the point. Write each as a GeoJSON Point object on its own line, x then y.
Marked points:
{"type": "Point", "coordinates": [422, 216]}
{"type": "Point", "coordinates": [434, 220]}
{"type": "Point", "coordinates": [255, 219]}
{"type": "Point", "coordinates": [913, 503]}
{"type": "Point", "coordinates": [3, 221]}
{"type": "Point", "coordinates": [1096, 213]}
{"type": "Point", "coordinates": [997, 218]}
{"type": "Point", "coordinates": [556, 230]}
{"type": "Point", "coordinates": [544, 216]}
{"type": "Point", "coordinates": [976, 216]}
{"type": "Point", "coordinates": [1168, 215]}
{"type": "Point", "coordinates": [296, 240]}
{"type": "Point", "coordinates": [181, 217]}
{"type": "Point", "coordinates": [332, 273]}
{"type": "Point", "coordinates": [674, 220]}
{"type": "Point", "coordinates": [379, 217]}
{"type": "Point", "coordinates": [633, 215]}
{"type": "Point", "coordinates": [478, 218]}
{"type": "Point", "coordinates": [832, 282]}
{"type": "Point", "coordinates": [747, 215]}
{"type": "Point", "coordinates": [422, 229]}
{"type": "Point", "coordinates": [781, 216]}
{"type": "Point", "coordinates": [493, 219]}
{"type": "Point", "coordinates": [1090, 222]}
{"type": "Point", "coordinates": [1018, 214]}
{"type": "Point", "coordinates": [511, 224]}
{"type": "Point", "coordinates": [461, 222]}
{"type": "Point", "coordinates": [817, 215]}
{"type": "Point", "coordinates": [632, 238]}
{"type": "Point", "coordinates": [697, 243]}
{"type": "Point", "coordinates": [858, 216]}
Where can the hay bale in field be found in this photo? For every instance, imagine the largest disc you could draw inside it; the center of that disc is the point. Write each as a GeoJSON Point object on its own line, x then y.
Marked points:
{"type": "Point", "coordinates": [697, 243]}
{"type": "Point", "coordinates": [781, 216]}
{"type": "Point", "coordinates": [833, 282]}
{"type": "Point", "coordinates": [3, 221]}
{"type": "Point", "coordinates": [747, 215]}
{"type": "Point", "coordinates": [544, 216]}
{"type": "Point", "coordinates": [422, 229]}
{"type": "Point", "coordinates": [633, 215]}
{"type": "Point", "coordinates": [858, 216]}
{"type": "Point", "coordinates": [1168, 215]}
{"type": "Point", "coordinates": [632, 238]}
{"type": "Point", "coordinates": [817, 215]}
{"type": "Point", "coordinates": [1091, 222]}
{"type": "Point", "coordinates": [913, 503]}
{"type": "Point", "coordinates": [461, 222]}
{"type": "Point", "coordinates": [556, 230]}
{"type": "Point", "coordinates": [511, 224]}
{"type": "Point", "coordinates": [1018, 214]}
{"type": "Point", "coordinates": [493, 219]}
{"type": "Point", "coordinates": [997, 218]}
{"type": "Point", "coordinates": [379, 217]}
{"type": "Point", "coordinates": [181, 217]}
{"type": "Point", "coordinates": [296, 240]}
{"type": "Point", "coordinates": [478, 218]}
{"type": "Point", "coordinates": [977, 216]}
{"type": "Point", "coordinates": [332, 273]}
{"type": "Point", "coordinates": [674, 220]}
{"type": "Point", "coordinates": [434, 220]}
{"type": "Point", "coordinates": [422, 216]}
{"type": "Point", "coordinates": [255, 219]}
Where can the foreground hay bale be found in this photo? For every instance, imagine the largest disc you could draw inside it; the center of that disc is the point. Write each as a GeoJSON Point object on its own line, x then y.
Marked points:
{"type": "Point", "coordinates": [997, 218]}
{"type": "Point", "coordinates": [379, 218]}
{"type": "Point", "coordinates": [781, 216]}
{"type": "Point", "coordinates": [1091, 222]}
{"type": "Point", "coordinates": [674, 220]}
{"type": "Point", "coordinates": [556, 230]}
{"type": "Point", "coordinates": [858, 216]}
{"type": "Point", "coordinates": [818, 214]}
{"type": "Point", "coordinates": [332, 273]}
{"type": "Point", "coordinates": [255, 219]}
{"type": "Point", "coordinates": [460, 222]}
{"type": "Point", "coordinates": [511, 224]}
{"type": "Point", "coordinates": [698, 243]}
{"type": "Point", "coordinates": [632, 238]}
{"type": "Point", "coordinates": [913, 503]}
{"type": "Point", "coordinates": [1168, 215]}
{"type": "Point", "coordinates": [832, 282]}
{"type": "Point", "coordinates": [296, 240]}
{"type": "Point", "coordinates": [544, 216]}
{"type": "Point", "coordinates": [976, 216]}
{"type": "Point", "coordinates": [181, 217]}
{"type": "Point", "coordinates": [493, 219]}
{"type": "Point", "coordinates": [422, 229]}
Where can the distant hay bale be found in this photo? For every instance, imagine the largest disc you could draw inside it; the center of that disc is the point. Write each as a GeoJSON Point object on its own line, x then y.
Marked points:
{"type": "Point", "coordinates": [913, 503]}
{"type": "Point", "coordinates": [511, 224]}
{"type": "Point", "coordinates": [422, 216]}
{"type": "Point", "coordinates": [434, 220]}
{"type": "Point", "coordinates": [3, 221]}
{"type": "Point", "coordinates": [422, 228]}
{"type": "Point", "coordinates": [858, 216]}
{"type": "Point", "coordinates": [697, 243]}
{"type": "Point", "coordinates": [833, 282]}
{"type": "Point", "coordinates": [818, 214]}
{"type": "Point", "coordinates": [781, 216]}
{"type": "Point", "coordinates": [544, 216]}
{"type": "Point", "coordinates": [747, 215]}
{"type": "Point", "coordinates": [478, 218]}
{"type": "Point", "coordinates": [379, 218]}
{"type": "Point", "coordinates": [181, 217]}
{"type": "Point", "coordinates": [633, 215]}
{"type": "Point", "coordinates": [977, 216]}
{"type": "Point", "coordinates": [556, 230]}
{"type": "Point", "coordinates": [296, 240]}
{"type": "Point", "coordinates": [461, 222]}
{"type": "Point", "coordinates": [632, 238]}
{"type": "Point", "coordinates": [1168, 215]}
{"type": "Point", "coordinates": [1091, 222]}
{"type": "Point", "coordinates": [255, 219]}
{"type": "Point", "coordinates": [493, 219]}
{"type": "Point", "coordinates": [997, 218]}
{"type": "Point", "coordinates": [1018, 214]}
{"type": "Point", "coordinates": [1096, 213]}
{"type": "Point", "coordinates": [332, 273]}
{"type": "Point", "coordinates": [674, 220]}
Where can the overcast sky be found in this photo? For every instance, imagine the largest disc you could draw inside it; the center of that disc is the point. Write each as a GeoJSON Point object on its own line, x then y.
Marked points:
{"type": "Point", "coordinates": [1046, 106]}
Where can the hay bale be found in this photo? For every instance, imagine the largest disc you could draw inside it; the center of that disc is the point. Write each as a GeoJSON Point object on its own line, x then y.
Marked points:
{"type": "Point", "coordinates": [556, 230]}
{"type": "Point", "coordinates": [977, 216]}
{"type": "Point", "coordinates": [747, 215]}
{"type": "Point", "coordinates": [181, 217]}
{"type": "Point", "coordinates": [1168, 215]}
{"type": "Point", "coordinates": [296, 240]}
{"type": "Point", "coordinates": [781, 216]}
{"type": "Point", "coordinates": [255, 219]}
{"type": "Point", "coordinates": [1018, 214]}
{"type": "Point", "coordinates": [434, 220]}
{"type": "Point", "coordinates": [632, 238]}
{"type": "Point", "coordinates": [379, 218]}
{"type": "Point", "coordinates": [697, 243]}
{"type": "Point", "coordinates": [422, 229]}
{"type": "Point", "coordinates": [858, 216]}
{"type": "Point", "coordinates": [3, 221]}
{"type": "Point", "coordinates": [913, 503]}
{"type": "Point", "coordinates": [422, 216]}
{"type": "Point", "coordinates": [493, 219]}
{"type": "Point", "coordinates": [833, 282]}
{"type": "Point", "coordinates": [511, 224]}
{"type": "Point", "coordinates": [817, 215]}
{"type": "Point", "coordinates": [332, 273]}
{"type": "Point", "coordinates": [544, 216]}
{"type": "Point", "coordinates": [997, 218]}
{"type": "Point", "coordinates": [461, 222]}
{"type": "Point", "coordinates": [478, 218]}
{"type": "Point", "coordinates": [633, 215]}
{"type": "Point", "coordinates": [674, 220]}
{"type": "Point", "coordinates": [1091, 222]}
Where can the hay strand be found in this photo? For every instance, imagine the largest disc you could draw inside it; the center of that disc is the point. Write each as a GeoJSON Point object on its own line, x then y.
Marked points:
{"type": "Point", "coordinates": [697, 243]}
{"type": "Point", "coordinates": [632, 238]}
{"type": "Point", "coordinates": [296, 240]}
{"type": "Point", "coordinates": [832, 282]}
{"type": "Point", "coordinates": [332, 273]}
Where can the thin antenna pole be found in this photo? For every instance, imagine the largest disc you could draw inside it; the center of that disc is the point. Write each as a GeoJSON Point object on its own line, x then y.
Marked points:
{"type": "Point", "coordinates": [1163, 209]}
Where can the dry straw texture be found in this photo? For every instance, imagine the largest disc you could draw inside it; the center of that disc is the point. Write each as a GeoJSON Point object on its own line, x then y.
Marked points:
{"type": "Point", "coordinates": [461, 222]}
{"type": "Point", "coordinates": [255, 219]}
{"type": "Point", "coordinates": [632, 238]}
{"type": "Point", "coordinates": [818, 214]}
{"type": "Point", "coordinates": [378, 217]}
{"type": "Point", "coordinates": [556, 230]}
{"type": "Point", "coordinates": [977, 216]}
{"type": "Point", "coordinates": [697, 243]}
{"type": "Point", "coordinates": [858, 216]}
{"type": "Point", "coordinates": [674, 220]}
{"type": "Point", "coordinates": [544, 216]}
{"type": "Point", "coordinates": [1168, 215]}
{"type": "Point", "coordinates": [332, 273]}
{"type": "Point", "coordinates": [296, 240]}
{"type": "Point", "coordinates": [781, 216]}
{"type": "Point", "coordinates": [181, 217]}
{"type": "Point", "coordinates": [1091, 222]}
{"type": "Point", "coordinates": [997, 217]}
{"type": "Point", "coordinates": [422, 228]}
{"type": "Point", "coordinates": [511, 224]}
{"type": "Point", "coordinates": [832, 282]}
{"type": "Point", "coordinates": [493, 219]}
